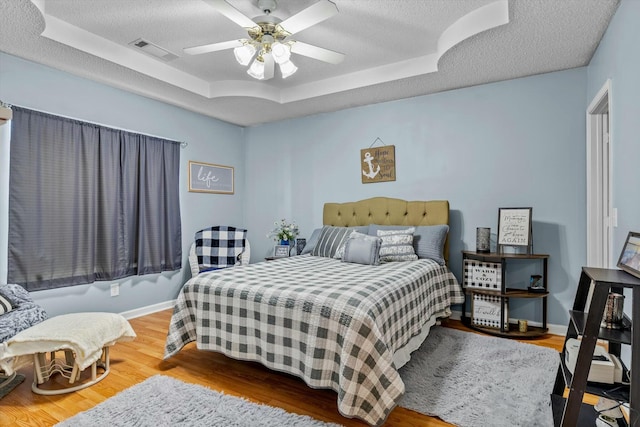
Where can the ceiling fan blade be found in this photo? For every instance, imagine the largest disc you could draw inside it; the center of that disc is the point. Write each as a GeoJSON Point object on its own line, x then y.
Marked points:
{"type": "Point", "coordinates": [213, 47]}
{"type": "Point", "coordinates": [231, 12]}
{"type": "Point", "coordinates": [269, 65]}
{"type": "Point", "coordinates": [316, 52]}
{"type": "Point", "coordinates": [315, 13]}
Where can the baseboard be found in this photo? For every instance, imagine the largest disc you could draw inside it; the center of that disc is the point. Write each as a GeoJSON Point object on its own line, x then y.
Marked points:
{"type": "Point", "coordinates": [455, 315]}
{"type": "Point", "coordinates": [149, 309]}
{"type": "Point", "coordinates": [553, 329]}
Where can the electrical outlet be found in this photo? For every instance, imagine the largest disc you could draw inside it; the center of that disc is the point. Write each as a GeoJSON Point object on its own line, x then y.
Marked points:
{"type": "Point", "coordinates": [115, 289]}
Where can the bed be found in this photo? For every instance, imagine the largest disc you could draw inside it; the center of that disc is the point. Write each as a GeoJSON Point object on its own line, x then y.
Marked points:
{"type": "Point", "coordinates": [339, 325]}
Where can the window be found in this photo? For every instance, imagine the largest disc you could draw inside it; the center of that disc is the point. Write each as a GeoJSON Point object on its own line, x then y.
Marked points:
{"type": "Point", "coordinates": [88, 202]}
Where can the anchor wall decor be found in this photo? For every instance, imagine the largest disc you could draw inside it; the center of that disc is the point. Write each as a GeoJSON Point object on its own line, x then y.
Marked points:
{"type": "Point", "coordinates": [378, 164]}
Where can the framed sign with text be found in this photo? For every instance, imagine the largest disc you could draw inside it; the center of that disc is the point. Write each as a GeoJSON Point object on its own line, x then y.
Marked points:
{"type": "Point", "coordinates": [378, 164]}
{"type": "Point", "coordinates": [486, 311]}
{"type": "Point", "coordinates": [629, 259]}
{"type": "Point", "coordinates": [482, 275]}
{"type": "Point", "coordinates": [514, 227]}
{"type": "Point", "coordinates": [281, 251]}
{"type": "Point", "coordinates": [210, 178]}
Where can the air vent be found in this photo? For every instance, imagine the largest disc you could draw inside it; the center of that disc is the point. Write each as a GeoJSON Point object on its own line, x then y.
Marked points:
{"type": "Point", "coordinates": [153, 50]}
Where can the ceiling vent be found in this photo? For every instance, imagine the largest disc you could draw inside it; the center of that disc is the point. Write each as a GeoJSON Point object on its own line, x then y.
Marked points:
{"type": "Point", "coordinates": [153, 50]}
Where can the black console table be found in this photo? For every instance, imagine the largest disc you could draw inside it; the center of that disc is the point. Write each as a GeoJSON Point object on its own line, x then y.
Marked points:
{"type": "Point", "coordinates": [586, 321]}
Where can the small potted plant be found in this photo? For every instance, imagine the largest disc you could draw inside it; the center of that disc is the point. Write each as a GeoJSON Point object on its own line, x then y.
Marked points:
{"type": "Point", "coordinates": [284, 233]}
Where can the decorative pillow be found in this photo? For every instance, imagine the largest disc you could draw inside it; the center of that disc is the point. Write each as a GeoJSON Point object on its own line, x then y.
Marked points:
{"type": "Point", "coordinates": [362, 229]}
{"type": "Point", "coordinates": [397, 245]}
{"type": "Point", "coordinates": [312, 242]}
{"type": "Point", "coordinates": [329, 241]}
{"type": "Point", "coordinates": [5, 304]}
{"type": "Point", "coordinates": [428, 240]}
{"type": "Point", "coordinates": [362, 249]}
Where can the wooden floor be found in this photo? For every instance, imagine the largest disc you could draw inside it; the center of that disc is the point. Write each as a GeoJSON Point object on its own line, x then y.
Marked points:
{"type": "Point", "coordinates": [135, 361]}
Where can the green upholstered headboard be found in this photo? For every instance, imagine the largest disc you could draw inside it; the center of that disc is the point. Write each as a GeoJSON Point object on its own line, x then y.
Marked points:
{"type": "Point", "coordinates": [388, 211]}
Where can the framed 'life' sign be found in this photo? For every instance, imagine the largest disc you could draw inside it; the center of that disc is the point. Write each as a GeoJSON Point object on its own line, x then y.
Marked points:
{"type": "Point", "coordinates": [378, 164]}
{"type": "Point", "coordinates": [210, 178]}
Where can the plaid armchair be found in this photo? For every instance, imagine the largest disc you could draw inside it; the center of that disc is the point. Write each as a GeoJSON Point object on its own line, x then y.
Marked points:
{"type": "Point", "coordinates": [218, 247]}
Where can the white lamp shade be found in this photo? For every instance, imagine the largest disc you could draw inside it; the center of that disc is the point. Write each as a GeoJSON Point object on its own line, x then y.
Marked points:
{"type": "Point", "coordinates": [281, 52]}
{"type": "Point", "coordinates": [244, 53]}
{"type": "Point", "coordinates": [287, 68]}
{"type": "Point", "coordinates": [257, 69]}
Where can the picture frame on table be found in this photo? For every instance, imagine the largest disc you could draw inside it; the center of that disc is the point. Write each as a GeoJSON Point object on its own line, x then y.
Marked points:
{"type": "Point", "coordinates": [629, 259]}
{"type": "Point", "coordinates": [515, 227]}
{"type": "Point", "coordinates": [281, 251]}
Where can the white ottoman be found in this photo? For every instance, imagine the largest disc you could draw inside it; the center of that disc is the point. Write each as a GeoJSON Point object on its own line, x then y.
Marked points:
{"type": "Point", "coordinates": [83, 337]}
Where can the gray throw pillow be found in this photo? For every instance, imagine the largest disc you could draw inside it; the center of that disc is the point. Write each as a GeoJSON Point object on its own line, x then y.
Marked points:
{"type": "Point", "coordinates": [397, 245]}
{"type": "Point", "coordinates": [330, 240]}
{"type": "Point", "coordinates": [312, 242]}
{"type": "Point", "coordinates": [428, 240]}
{"type": "Point", "coordinates": [362, 249]}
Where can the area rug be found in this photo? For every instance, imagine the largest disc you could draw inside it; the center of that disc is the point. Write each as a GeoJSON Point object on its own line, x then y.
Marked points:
{"type": "Point", "coordinates": [10, 385]}
{"type": "Point", "coordinates": [474, 380]}
{"type": "Point", "coordinates": [164, 401]}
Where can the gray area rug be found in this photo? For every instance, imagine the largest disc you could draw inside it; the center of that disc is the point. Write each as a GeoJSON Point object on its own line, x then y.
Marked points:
{"type": "Point", "coordinates": [165, 401]}
{"type": "Point", "coordinates": [10, 385]}
{"type": "Point", "coordinates": [474, 380]}
{"type": "Point", "coordinates": [466, 379]}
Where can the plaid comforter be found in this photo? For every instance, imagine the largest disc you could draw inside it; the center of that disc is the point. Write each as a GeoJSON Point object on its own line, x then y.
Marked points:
{"type": "Point", "coordinates": [334, 324]}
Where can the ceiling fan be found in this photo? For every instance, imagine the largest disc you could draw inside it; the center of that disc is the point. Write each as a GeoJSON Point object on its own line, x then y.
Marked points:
{"type": "Point", "coordinates": [269, 40]}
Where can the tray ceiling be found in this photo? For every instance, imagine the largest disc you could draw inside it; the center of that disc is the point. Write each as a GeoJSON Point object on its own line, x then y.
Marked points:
{"type": "Point", "coordinates": [394, 49]}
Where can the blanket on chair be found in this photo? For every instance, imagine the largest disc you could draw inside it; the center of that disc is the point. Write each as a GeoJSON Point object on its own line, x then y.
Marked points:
{"type": "Point", "coordinates": [24, 314]}
{"type": "Point", "coordinates": [83, 333]}
{"type": "Point", "coordinates": [219, 247]}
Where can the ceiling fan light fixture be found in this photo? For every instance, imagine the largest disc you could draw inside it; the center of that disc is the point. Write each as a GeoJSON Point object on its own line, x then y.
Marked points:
{"type": "Point", "coordinates": [257, 69]}
{"type": "Point", "coordinates": [287, 69]}
{"type": "Point", "coordinates": [244, 53]}
{"type": "Point", "coordinates": [281, 52]}
{"type": "Point", "coordinates": [268, 42]}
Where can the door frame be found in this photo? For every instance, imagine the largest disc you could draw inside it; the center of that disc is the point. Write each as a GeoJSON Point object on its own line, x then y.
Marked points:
{"type": "Point", "coordinates": [598, 193]}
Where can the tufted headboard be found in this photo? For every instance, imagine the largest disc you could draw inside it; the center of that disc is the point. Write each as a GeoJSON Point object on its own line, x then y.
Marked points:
{"type": "Point", "coordinates": [388, 211]}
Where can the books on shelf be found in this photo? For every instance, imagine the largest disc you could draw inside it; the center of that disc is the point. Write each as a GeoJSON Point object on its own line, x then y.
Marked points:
{"type": "Point", "coordinates": [605, 368]}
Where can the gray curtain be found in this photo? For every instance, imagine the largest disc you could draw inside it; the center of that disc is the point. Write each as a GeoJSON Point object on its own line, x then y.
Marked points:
{"type": "Point", "coordinates": [88, 203]}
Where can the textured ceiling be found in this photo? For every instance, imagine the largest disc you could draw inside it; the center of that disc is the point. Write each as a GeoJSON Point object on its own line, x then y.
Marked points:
{"type": "Point", "coordinates": [394, 49]}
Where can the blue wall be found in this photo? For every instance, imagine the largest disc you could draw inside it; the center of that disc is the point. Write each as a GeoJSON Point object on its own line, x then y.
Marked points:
{"type": "Point", "coordinates": [38, 87]}
{"type": "Point", "coordinates": [508, 144]}
{"type": "Point", "coordinates": [513, 143]}
{"type": "Point", "coordinates": [618, 59]}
